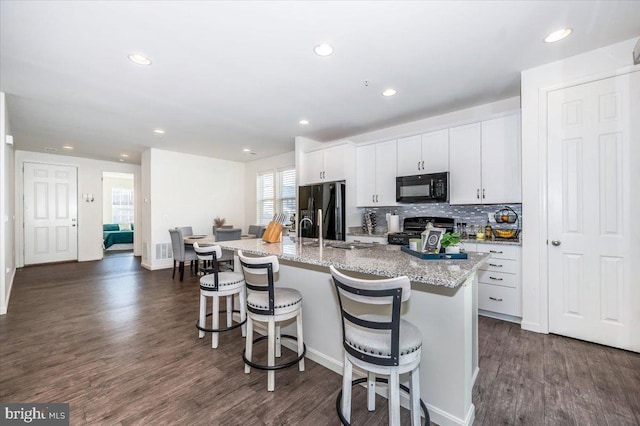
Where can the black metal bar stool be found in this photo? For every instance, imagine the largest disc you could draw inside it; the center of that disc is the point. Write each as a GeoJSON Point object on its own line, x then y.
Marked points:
{"type": "Point", "coordinates": [271, 305]}
{"type": "Point", "coordinates": [378, 343]}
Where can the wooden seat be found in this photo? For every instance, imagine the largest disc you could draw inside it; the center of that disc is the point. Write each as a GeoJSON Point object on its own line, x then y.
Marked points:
{"type": "Point", "coordinates": [379, 343]}
{"type": "Point", "coordinates": [272, 305]}
{"type": "Point", "coordinates": [216, 284]}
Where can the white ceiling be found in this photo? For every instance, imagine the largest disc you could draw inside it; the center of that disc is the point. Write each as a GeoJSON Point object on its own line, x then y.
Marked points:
{"type": "Point", "coordinates": [233, 75]}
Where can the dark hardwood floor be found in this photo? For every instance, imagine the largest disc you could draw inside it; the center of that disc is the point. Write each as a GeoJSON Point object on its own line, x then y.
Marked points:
{"type": "Point", "coordinates": [119, 344]}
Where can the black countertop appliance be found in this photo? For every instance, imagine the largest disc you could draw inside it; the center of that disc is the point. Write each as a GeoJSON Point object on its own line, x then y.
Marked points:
{"type": "Point", "coordinates": [329, 197]}
{"type": "Point", "coordinates": [413, 227]}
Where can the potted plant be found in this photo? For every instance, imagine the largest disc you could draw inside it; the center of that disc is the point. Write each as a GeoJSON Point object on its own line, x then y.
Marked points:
{"type": "Point", "coordinates": [218, 222]}
{"type": "Point", "coordinates": [450, 242]}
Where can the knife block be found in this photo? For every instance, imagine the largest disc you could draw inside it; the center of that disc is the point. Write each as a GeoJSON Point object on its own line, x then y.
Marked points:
{"type": "Point", "coordinates": [273, 233]}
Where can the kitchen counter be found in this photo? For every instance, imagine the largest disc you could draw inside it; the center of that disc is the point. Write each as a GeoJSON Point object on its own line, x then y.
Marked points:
{"type": "Point", "coordinates": [443, 305]}
{"type": "Point", "coordinates": [375, 259]}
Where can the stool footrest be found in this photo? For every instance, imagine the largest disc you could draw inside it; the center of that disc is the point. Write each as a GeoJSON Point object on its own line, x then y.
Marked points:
{"type": "Point", "coordinates": [217, 330]}
{"type": "Point", "coordinates": [278, 366]}
{"type": "Point", "coordinates": [427, 419]}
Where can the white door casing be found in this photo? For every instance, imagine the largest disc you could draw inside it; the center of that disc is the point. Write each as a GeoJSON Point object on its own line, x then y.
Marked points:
{"type": "Point", "coordinates": [593, 183]}
{"type": "Point", "coordinates": [50, 213]}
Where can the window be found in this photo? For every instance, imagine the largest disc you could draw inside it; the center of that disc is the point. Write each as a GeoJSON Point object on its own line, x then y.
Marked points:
{"type": "Point", "coordinates": [276, 194]}
{"type": "Point", "coordinates": [122, 205]}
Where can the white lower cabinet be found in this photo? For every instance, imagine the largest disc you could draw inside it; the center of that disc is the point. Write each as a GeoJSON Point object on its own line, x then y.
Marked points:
{"type": "Point", "coordinates": [499, 282]}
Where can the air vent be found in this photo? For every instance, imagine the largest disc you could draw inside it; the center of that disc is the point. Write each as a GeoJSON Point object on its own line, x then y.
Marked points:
{"type": "Point", "coordinates": [163, 251]}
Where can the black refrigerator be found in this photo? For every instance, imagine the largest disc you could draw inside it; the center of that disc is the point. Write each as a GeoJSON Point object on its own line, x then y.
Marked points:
{"type": "Point", "coordinates": [330, 198]}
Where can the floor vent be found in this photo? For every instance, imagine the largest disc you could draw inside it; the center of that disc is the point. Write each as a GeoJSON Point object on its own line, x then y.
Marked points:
{"type": "Point", "coordinates": [163, 251]}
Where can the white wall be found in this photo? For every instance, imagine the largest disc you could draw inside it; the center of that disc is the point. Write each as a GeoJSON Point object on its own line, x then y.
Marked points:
{"type": "Point", "coordinates": [108, 183]}
{"type": "Point", "coordinates": [252, 169]}
{"type": "Point", "coordinates": [536, 83]}
{"type": "Point", "coordinates": [89, 214]}
{"type": "Point", "coordinates": [189, 190]}
{"type": "Point", "coordinates": [7, 210]}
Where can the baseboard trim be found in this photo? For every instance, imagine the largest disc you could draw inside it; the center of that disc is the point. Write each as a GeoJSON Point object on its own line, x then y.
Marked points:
{"type": "Point", "coordinates": [532, 326]}
{"type": "Point", "coordinates": [500, 316]}
{"type": "Point", "coordinates": [9, 284]}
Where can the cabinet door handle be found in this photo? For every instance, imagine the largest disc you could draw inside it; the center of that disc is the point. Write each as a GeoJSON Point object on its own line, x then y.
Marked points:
{"type": "Point", "coordinates": [495, 298]}
{"type": "Point", "coordinates": [418, 165]}
{"type": "Point", "coordinates": [376, 198]}
{"type": "Point", "coordinates": [495, 251]}
{"type": "Point", "coordinates": [320, 175]}
{"type": "Point", "coordinates": [497, 279]}
{"type": "Point", "coordinates": [478, 193]}
{"type": "Point", "coordinates": [496, 265]}
{"type": "Point", "coordinates": [483, 193]}
{"type": "Point", "coordinates": [422, 164]}
{"type": "Point", "coordinates": [373, 198]}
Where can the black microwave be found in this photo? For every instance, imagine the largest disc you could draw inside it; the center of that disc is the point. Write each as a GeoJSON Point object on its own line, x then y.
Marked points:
{"type": "Point", "coordinates": [430, 188]}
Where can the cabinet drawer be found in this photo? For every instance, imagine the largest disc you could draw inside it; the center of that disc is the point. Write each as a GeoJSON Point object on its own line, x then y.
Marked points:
{"type": "Point", "coordinates": [499, 299]}
{"type": "Point", "coordinates": [497, 278]}
{"type": "Point", "coordinates": [499, 251]}
{"type": "Point", "coordinates": [500, 265]}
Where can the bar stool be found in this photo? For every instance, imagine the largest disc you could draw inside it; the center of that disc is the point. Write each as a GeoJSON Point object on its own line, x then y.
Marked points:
{"type": "Point", "coordinates": [378, 343]}
{"type": "Point", "coordinates": [271, 305]}
{"type": "Point", "coordinates": [217, 284]}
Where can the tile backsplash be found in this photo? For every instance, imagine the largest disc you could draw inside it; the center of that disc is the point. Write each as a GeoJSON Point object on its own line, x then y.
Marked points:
{"type": "Point", "coordinates": [470, 214]}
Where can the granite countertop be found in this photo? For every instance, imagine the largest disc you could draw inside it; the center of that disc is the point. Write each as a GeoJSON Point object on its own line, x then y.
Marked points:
{"type": "Point", "coordinates": [381, 260]}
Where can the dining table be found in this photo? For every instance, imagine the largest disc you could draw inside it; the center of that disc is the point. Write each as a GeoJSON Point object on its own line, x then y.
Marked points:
{"type": "Point", "coordinates": [209, 239]}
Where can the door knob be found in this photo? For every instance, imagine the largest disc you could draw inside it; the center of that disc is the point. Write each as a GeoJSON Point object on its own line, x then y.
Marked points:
{"type": "Point", "coordinates": [555, 242]}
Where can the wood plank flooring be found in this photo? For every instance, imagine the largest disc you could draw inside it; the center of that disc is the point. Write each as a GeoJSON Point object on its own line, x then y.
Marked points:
{"type": "Point", "coordinates": [119, 344]}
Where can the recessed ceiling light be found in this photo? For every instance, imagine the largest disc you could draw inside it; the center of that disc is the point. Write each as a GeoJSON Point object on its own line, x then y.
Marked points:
{"type": "Point", "coordinates": [323, 49]}
{"type": "Point", "coordinates": [67, 147]}
{"type": "Point", "coordinates": [139, 58]}
{"type": "Point", "coordinates": [158, 131]}
{"type": "Point", "coordinates": [303, 122]}
{"type": "Point", "coordinates": [124, 155]}
{"type": "Point", "coordinates": [246, 150]}
{"type": "Point", "coordinates": [389, 92]}
{"type": "Point", "coordinates": [557, 35]}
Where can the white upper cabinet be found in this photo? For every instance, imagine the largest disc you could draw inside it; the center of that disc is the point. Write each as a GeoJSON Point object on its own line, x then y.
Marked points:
{"type": "Point", "coordinates": [376, 175]}
{"type": "Point", "coordinates": [421, 154]}
{"type": "Point", "coordinates": [485, 162]}
{"type": "Point", "coordinates": [325, 165]}
{"type": "Point", "coordinates": [501, 160]}
{"type": "Point", "coordinates": [464, 165]}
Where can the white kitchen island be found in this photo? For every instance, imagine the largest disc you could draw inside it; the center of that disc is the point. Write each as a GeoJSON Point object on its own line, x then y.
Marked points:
{"type": "Point", "coordinates": [443, 305]}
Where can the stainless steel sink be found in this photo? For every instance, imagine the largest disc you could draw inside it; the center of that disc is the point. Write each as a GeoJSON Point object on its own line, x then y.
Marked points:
{"type": "Point", "coordinates": [348, 245]}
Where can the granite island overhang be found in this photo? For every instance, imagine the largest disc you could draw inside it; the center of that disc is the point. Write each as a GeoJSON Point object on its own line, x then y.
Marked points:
{"type": "Point", "coordinates": [443, 305]}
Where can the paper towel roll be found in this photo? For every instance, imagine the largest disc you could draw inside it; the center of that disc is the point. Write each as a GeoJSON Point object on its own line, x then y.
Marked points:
{"type": "Point", "coordinates": [394, 223]}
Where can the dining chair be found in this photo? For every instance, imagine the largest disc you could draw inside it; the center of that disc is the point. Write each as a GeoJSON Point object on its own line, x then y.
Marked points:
{"type": "Point", "coordinates": [223, 234]}
{"type": "Point", "coordinates": [257, 230]}
{"type": "Point", "coordinates": [181, 253]}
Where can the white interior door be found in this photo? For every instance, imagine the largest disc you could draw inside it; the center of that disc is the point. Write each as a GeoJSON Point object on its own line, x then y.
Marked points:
{"type": "Point", "coordinates": [50, 213]}
{"type": "Point", "coordinates": [593, 189]}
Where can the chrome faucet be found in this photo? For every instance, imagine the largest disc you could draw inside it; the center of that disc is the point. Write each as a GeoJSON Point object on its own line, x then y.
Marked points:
{"type": "Point", "coordinates": [300, 227]}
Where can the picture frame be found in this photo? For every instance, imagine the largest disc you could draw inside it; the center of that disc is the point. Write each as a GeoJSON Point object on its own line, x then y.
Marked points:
{"type": "Point", "coordinates": [431, 242]}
